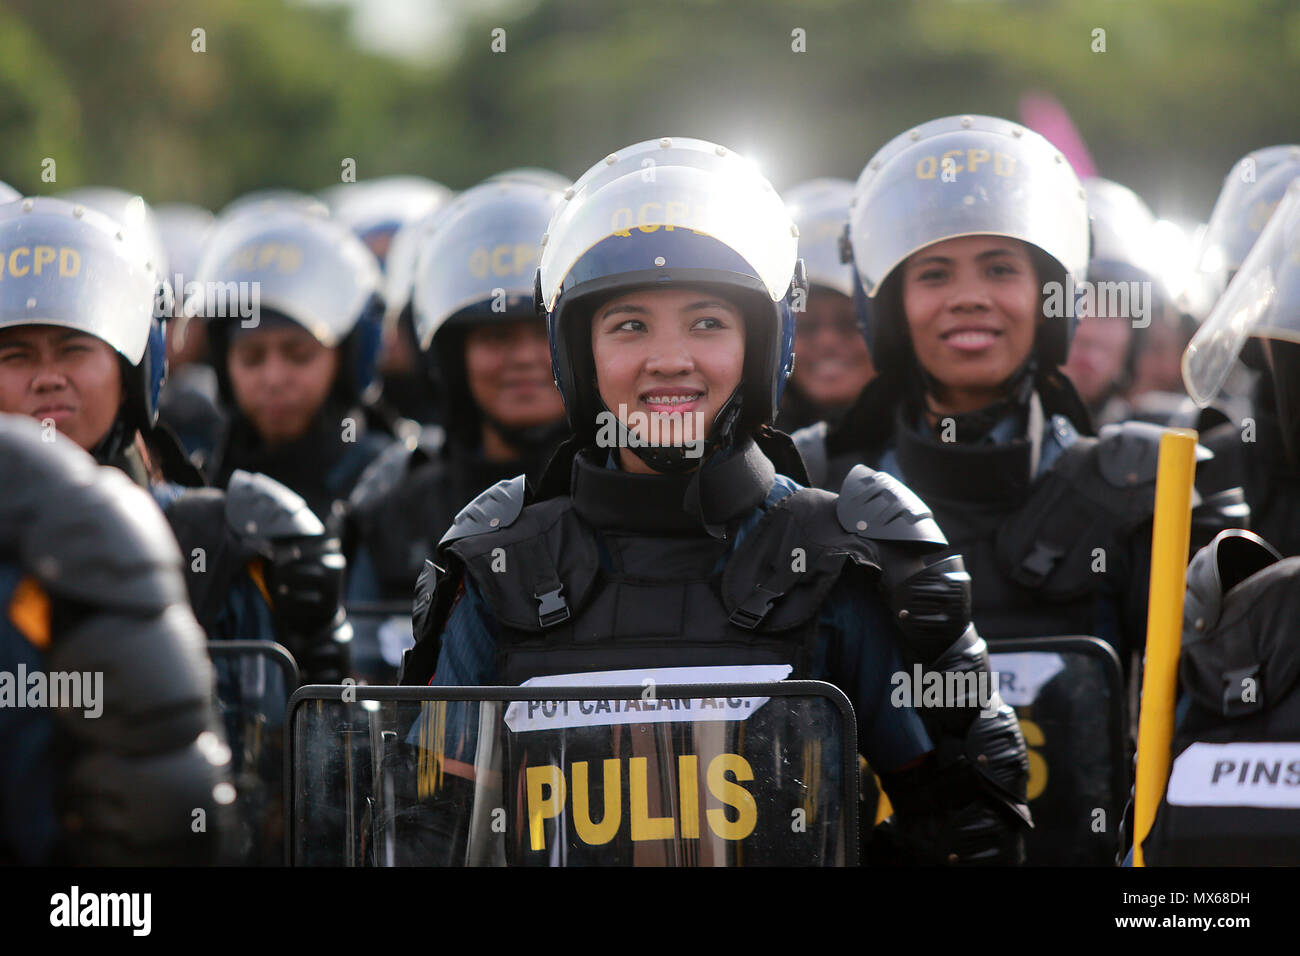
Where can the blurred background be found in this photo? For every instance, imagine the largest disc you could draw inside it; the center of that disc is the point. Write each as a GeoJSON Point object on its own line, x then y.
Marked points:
{"type": "Point", "coordinates": [116, 92]}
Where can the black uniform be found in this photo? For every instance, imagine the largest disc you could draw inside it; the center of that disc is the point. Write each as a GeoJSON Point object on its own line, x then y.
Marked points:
{"type": "Point", "coordinates": [90, 582]}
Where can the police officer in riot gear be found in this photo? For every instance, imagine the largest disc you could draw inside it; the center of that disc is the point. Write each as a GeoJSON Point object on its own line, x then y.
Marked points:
{"type": "Point", "coordinates": [293, 308]}
{"type": "Point", "coordinates": [1252, 451]}
{"type": "Point", "coordinates": [1226, 801]}
{"type": "Point", "coordinates": [82, 351]}
{"type": "Point", "coordinates": [662, 532]}
{"type": "Point", "coordinates": [833, 365]}
{"type": "Point", "coordinates": [484, 345]}
{"type": "Point", "coordinates": [971, 310]}
{"type": "Point", "coordinates": [1258, 313]}
{"type": "Point", "coordinates": [90, 587]}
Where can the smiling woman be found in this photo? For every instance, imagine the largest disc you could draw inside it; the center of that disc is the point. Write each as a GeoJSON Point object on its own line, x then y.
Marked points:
{"type": "Point", "coordinates": [673, 355]}
{"type": "Point", "coordinates": [664, 542]}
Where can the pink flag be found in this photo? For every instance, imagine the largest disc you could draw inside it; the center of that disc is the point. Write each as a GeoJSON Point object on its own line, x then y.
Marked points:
{"type": "Point", "coordinates": [1043, 114]}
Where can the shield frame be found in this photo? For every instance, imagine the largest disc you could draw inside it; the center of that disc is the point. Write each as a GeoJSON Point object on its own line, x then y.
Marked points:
{"type": "Point", "coordinates": [796, 688]}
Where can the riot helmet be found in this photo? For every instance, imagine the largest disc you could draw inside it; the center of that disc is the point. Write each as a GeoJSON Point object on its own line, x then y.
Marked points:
{"type": "Point", "coordinates": [131, 212]}
{"type": "Point", "coordinates": [71, 266]}
{"type": "Point", "coordinates": [1251, 191]}
{"type": "Point", "coordinates": [663, 213]}
{"type": "Point", "coordinates": [965, 176]}
{"type": "Point", "coordinates": [476, 260]}
{"type": "Point", "coordinates": [375, 209]}
{"type": "Point", "coordinates": [290, 261]}
{"type": "Point", "coordinates": [1262, 301]}
{"type": "Point", "coordinates": [532, 174]}
{"type": "Point", "coordinates": [820, 210]}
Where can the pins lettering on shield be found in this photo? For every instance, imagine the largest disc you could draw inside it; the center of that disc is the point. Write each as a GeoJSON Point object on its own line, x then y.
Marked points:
{"type": "Point", "coordinates": [198, 820]}
{"type": "Point", "coordinates": [49, 170]}
{"type": "Point", "coordinates": [198, 40]}
{"type": "Point", "coordinates": [1098, 40]}
{"type": "Point", "coordinates": [798, 40]}
{"type": "Point", "coordinates": [349, 430]}
{"type": "Point", "coordinates": [498, 40]}
{"type": "Point", "coordinates": [1098, 560]}
{"type": "Point", "coordinates": [798, 560]}
{"type": "Point", "coordinates": [798, 820]}
{"type": "Point", "coordinates": [198, 561]}
{"type": "Point", "coordinates": [349, 171]}
{"type": "Point", "coordinates": [1248, 429]}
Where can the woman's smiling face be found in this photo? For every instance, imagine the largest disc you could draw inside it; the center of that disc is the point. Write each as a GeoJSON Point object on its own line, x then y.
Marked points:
{"type": "Point", "coordinates": [972, 307]}
{"type": "Point", "coordinates": [674, 355]}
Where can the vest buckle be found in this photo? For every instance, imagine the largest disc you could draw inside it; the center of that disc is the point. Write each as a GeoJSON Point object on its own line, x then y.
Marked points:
{"type": "Point", "coordinates": [551, 607]}
{"type": "Point", "coordinates": [751, 611]}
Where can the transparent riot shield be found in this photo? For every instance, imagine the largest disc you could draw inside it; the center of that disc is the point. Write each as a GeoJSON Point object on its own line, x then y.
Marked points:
{"type": "Point", "coordinates": [1068, 693]}
{"type": "Point", "coordinates": [688, 775]}
{"type": "Point", "coordinates": [254, 681]}
{"type": "Point", "coordinates": [381, 630]}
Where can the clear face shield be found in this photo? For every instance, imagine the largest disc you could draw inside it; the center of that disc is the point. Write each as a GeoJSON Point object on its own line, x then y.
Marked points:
{"type": "Point", "coordinates": [1262, 301]}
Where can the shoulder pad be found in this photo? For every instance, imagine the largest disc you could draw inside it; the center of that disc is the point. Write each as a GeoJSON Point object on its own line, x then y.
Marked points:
{"type": "Point", "coordinates": [496, 508]}
{"type": "Point", "coordinates": [1232, 557]}
{"type": "Point", "coordinates": [260, 509]}
{"type": "Point", "coordinates": [877, 505]}
{"type": "Point", "coordinates": [86, 532]}
{"type": "Point", "coordinates": [1128, 453]}
{"type": "Point", "coordinates": [381, 476]}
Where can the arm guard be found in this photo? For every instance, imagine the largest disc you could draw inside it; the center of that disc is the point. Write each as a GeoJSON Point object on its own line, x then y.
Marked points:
{"type": "Point", "coordinates": [304, 572]}
{"type": "Point", "coordinates": [966, 803]}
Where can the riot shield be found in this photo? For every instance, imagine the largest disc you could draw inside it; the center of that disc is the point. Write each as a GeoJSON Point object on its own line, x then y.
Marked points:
{"type": "Point", "coordinates": [254, 681]}
{"type": "Point", "coordinates": [1068, 693]}
{"type": "Point", "coordinates": [381, 630]}
{"type": "Point", "coordinates": [686, 775]}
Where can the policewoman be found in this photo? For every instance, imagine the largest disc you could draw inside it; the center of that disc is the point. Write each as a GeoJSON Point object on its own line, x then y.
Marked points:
{"type": "Point", "coordinates": [660, 534]}
{"type": "Point", "coordinates": [970, 236]}
{"type": "Point", "coordinates": [483, 344]}
{"type": "Point", "coordinates": [834, 364]}
{"type": "Point", "coordinates": [82, 351]}
{"type": "Point", "coordinates": [293, 311]}
{"type": "Point", "coordinates": [1230, 796]}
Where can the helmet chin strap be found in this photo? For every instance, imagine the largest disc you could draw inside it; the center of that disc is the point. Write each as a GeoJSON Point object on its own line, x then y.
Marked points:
{"type": "Point", "coordinates": [111, 446]}
{"type": "Point", "coordinates": [673, 459]}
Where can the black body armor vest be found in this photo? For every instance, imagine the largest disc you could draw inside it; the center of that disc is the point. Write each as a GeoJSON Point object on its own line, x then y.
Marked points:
{"type": "Point", "coordinates": [1233, 796]}
{"type": "Point", "coordinates": [1041, 552]}
{"type": "Point", "coordinates": [622, 572]}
